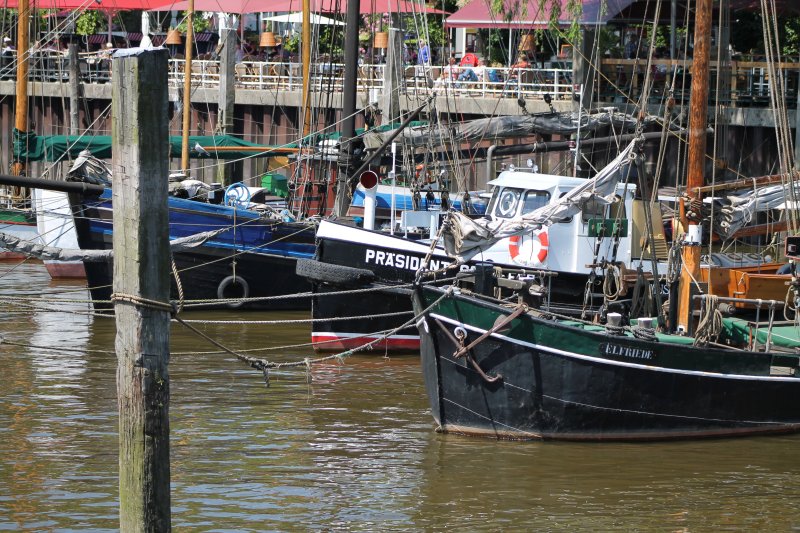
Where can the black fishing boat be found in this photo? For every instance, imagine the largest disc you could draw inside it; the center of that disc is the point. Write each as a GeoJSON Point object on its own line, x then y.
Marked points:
{"type": "Point", "coordinates": [509, 372]}
{"type": "Point", "coordinates": [566, 236]}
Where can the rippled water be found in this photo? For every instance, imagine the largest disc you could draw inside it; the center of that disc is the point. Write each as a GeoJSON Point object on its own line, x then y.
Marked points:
{"type": "Point", "coordinates": [351, 449]}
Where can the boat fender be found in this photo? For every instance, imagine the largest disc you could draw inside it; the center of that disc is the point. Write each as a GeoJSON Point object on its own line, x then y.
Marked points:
{"type": "Point", "coordinates": [236, 281]}
{"type": "Point", "coordinates": [539, 240]}
{"type": "Point", "coordinates": [287, 216]}
{"type": "Point", "coordinates": [320, 272]}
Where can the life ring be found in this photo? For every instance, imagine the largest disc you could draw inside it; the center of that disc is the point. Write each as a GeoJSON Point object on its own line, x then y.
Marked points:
{"type": "Point", "coordinates": [233, 280]}
{"type": "Point", "coordinates": [237, 194]}
{"type": "Point", "coordinates": [534, 249]}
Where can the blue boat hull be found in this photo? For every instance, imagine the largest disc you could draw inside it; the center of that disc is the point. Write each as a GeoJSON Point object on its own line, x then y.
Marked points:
{"type": "Point", "coordinates": [255, 258]}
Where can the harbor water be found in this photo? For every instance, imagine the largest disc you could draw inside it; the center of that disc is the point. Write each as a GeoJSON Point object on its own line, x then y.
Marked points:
{"type": "Point", "coordinates": [347, 445]}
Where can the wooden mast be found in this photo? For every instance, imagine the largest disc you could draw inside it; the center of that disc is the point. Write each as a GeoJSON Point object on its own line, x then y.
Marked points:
{"type": "Point", "coordinates": [698, 117]}
{"type": "Point", "coordinates": [305, 48]}
{"type": "Point", "coordinates": [187, 89]}
{"type": "Point", "coordinates": [21, 107]}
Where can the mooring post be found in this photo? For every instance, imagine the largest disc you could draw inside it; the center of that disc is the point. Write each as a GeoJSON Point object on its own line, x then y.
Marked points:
{"type": "Point", "coordinates": [74, 89]}
{"type": "Point", "coordinates": [141, 285]}
{"type": "Point", "coordinates": [227, 95]}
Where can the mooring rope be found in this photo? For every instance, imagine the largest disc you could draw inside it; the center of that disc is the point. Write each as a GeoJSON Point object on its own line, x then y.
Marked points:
{"type": "Point", "coordinates": [265, 366]}
{"type": "Point", "coordinates": [710, 325]}
{"type": "Point", "coordinates": [299, 320]}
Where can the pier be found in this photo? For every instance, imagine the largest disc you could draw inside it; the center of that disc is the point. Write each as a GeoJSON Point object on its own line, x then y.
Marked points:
{"type": "Point", "coordinates": [267, 96]}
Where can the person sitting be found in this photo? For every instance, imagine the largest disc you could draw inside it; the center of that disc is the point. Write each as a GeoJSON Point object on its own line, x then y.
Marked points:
{"type": "Point", "coordinates": [521, 65]}
{"type": "Point", "coordinates": [452, 70]}
{"type": "Point", "coordinates": [472, 74]}
{"type": "Point", "coordinates": [491, 74]}
{"type": "Point", "coordinates": [522, 62]}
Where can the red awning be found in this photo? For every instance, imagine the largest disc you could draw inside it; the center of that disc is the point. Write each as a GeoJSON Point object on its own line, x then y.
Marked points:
{"type": "Point", "coordinates": [477, 14]}
{"type": "Point", "coordinates": [102, 5]}
{"type": "Point", "coordinates": [289, 6]}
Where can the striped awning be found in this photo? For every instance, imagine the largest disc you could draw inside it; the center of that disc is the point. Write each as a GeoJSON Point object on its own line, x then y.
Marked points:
{"type": "Point", "coordinates": [97, 39]}
{"type": "Point", "coordinates": [158, 40]}
{"type": "Point", "coordinates": [134, 37]}
{"type": "Point", "coordinates": [204, 36]}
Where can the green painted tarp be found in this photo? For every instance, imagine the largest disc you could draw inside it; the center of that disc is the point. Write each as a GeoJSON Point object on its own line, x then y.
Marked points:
{"type": "Point", "coordinates": [740, 331]}
{"type": "Point", "coordinates": [31, 147]}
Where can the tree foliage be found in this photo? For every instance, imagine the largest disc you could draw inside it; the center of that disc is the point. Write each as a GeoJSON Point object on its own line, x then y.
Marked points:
{"type": "Point", "coordinates": [89, 23]}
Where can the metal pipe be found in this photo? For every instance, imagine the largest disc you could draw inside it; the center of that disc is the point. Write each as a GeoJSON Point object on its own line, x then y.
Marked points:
{"type": "Point", "coordinates": [489, 162]}
{"type": "Point", "coordinates": [51, 185]}
{"type": "Point", "coordinates": [750, 301]}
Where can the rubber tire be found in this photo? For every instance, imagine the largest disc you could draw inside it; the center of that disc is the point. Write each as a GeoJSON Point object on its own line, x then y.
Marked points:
{"type": "Point", "coordinates": [238, 280]}
{"type": "Point", "coordinates": [319, 272]}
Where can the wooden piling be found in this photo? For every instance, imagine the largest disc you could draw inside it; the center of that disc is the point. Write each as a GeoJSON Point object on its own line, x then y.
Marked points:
{"type": "Point", "coordinates": [141, 282]}
{"type": "Point", "coordinates": [74, 89]}
{"type": "Point", "coordinates": [227, 95]}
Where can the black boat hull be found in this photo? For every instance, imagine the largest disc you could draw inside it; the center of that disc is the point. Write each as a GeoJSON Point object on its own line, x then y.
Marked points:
{"type": "Point", "coordinates": [388, 309]}
{"type": "Point", "coordinates": [558, 389]}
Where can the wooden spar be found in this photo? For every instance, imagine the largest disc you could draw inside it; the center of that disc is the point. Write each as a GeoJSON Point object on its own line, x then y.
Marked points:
{"type": "Point", "coordinates": [748, 183]}
{"type": "Point", "coordinates": [698, 117]}
{"type": "Point", "coordinates": [187, 89]}
{"type": "Point", "coordinates": [141, 286]}
{"type": "Point", "coordinates": [306, 67]}
{"type": "Point", "coordinates": [21, 108]}
{"type": "Point", "coordinates": [256, 149]}
{"type": "Point", "coordinates": [761, 229]}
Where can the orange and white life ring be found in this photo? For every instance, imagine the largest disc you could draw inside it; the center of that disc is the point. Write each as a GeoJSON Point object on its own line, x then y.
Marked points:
{"type": "Point", "coordinates": [530, 250]}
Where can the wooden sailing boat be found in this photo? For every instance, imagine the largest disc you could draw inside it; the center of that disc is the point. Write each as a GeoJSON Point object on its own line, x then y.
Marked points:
{"type": "Point", "coordinates": [498, 368]}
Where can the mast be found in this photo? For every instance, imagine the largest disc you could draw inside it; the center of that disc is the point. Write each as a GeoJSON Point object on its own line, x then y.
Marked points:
{"type": "Point", "coordinates": [305, 53]}
{"type": "Point", "coordinates": [348, 107]}
{"type": "Point", "coordinates": [187, 89]}
{"type": "Point", "coordinates": [698, 116]}
{"type": "Point", "coordinates": [21, 107]}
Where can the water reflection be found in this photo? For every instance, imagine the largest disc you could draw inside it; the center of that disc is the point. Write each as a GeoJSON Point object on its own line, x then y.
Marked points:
{"type": "Point", "coordinates": [354, 448]}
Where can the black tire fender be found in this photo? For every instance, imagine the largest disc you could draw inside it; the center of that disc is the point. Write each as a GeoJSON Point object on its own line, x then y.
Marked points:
{"type": "Point", "coordinates": [319, 272]}
{"type": "Point", "coordinates": [233, 280]}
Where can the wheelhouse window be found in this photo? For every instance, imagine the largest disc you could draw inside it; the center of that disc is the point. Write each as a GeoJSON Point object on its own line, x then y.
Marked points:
{"type": "Point", "coordinates": [593, 209]}
{"type": "Point", "coordinates": [534, 200]}
{"type": "Point", "coordinates": [505, 203]}
{"type": "Point", "coordinates": [617, 209]}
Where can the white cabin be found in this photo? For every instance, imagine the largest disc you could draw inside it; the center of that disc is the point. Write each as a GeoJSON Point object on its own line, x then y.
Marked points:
{"type": "Point", "coordinates": [567, 245]}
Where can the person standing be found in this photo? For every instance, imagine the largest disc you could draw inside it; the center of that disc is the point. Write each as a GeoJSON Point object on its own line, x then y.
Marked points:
{"type": "Point", "coordinates": [8, 48]}
{"type": "Point", "coordinates": [424, 54]}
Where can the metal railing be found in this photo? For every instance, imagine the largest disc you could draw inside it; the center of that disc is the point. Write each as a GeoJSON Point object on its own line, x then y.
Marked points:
{"type": "Point", "coordinates": [744, 83]}
{"type": "Point", "coordinates": [329, 77]}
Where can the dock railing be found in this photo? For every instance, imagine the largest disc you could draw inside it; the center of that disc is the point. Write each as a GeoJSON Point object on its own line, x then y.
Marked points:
{"type": "Point", "coordinates": [742, 83]}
